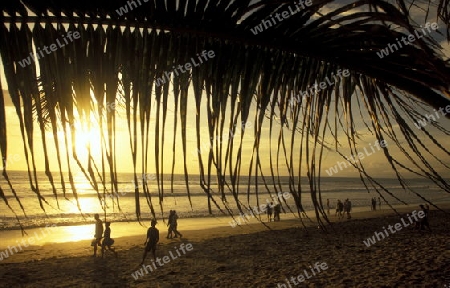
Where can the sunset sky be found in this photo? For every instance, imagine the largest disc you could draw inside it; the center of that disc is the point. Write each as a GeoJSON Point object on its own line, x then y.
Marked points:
{"type": "Point", "coordinates": [376, 164]}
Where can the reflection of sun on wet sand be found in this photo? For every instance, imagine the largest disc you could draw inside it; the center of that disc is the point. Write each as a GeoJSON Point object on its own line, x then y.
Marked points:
{"type": "Point", "coordinates": [252, 256]}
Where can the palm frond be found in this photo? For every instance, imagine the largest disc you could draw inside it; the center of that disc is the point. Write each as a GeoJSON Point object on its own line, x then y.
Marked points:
{"type": "Point", "coordinates": [121, 58]}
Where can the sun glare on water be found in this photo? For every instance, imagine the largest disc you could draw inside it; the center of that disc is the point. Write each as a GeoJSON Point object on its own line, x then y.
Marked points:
{"type": "Point", "coordinates": [76, 233]}
{"type": "Point", "coordinates": [88, 205]}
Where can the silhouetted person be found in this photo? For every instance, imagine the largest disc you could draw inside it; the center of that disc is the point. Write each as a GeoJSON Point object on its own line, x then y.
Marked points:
{"type": "Point", "coordinates": [379, 203]}
{"type": "Point", "coordinates": [169, 224]}
{"type": "Point", "coordinates": [175, 224]}
{"type": "Point", "coordinates": [424, 221]}
{"type": "Point", "coordinates": [348, 208]}
{"type": "Point", "coordinates": [269, 211]}
{"type": "Point", "coordinates": [340, 209]}
{"type": "Point", "coordinates": [107, 240]}
{"type": "Point", "coordinates": [276, 212]}
{"type": "Point", "coordinates": [98, 233]}
{"type": "Point", "coordinates": [151, 241]}
{"type": "Point", "coordinates": [328, 206]}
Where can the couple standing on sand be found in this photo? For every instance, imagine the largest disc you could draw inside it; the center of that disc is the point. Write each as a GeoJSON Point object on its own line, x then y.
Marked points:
{"type": "Point", "coordinates": [173, 217]}
{"type": "Point", "coordinates": [374, 203]}
{"type": "Point", "coordinates": [343, 208]}
{"type": "Point", "coordinates": [276, 211]}
{"type": "Point", "coordinates": [107, 240]}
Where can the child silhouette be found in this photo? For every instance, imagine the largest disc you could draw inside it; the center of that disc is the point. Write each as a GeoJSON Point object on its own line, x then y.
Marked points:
{"type": "Point", "coordinates": [107, 240]}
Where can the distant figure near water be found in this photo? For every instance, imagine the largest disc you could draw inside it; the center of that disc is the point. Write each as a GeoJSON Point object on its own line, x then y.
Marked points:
{"type": "Point", "coordinates": [339, 209]}
{"type": "Point", "coordinates": [173, 224]}
{"type": "Point", "coordinates": [276, 212]}
{"type": "Point", "coordinates": [328, 206]}
{"type": "Point", "coordinates": [169, 224]}
{"type": "Point", "coordinates": [348, 208]}
{"type": "Point", "coordinates": [98, 233]}
{"type": "Point", "coordinates": [151, 241]}
{"type": "Point", "coordinates": [424, 221]}
{"type": "Point", "coordinates": [374, 204]}
{"type": "Point", "coordinates": [269, 211]}
{"type": "Point", "coordinates": [379, 203]}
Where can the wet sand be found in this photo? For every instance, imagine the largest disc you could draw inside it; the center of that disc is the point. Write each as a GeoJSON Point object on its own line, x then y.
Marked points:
{"type": "Point", "coordinates": [252, 256]}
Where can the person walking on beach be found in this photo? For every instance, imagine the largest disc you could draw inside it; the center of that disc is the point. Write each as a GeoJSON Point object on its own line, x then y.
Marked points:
{"type": "Point", "coordinates": [348, 208]}
{"type": "Point", "coordinates": [151, 241]}
{"type": "Point", "coordinates": [379, 203]}
{"type": "Point", "coordinates": [424, 221]}
{"type": "Point", "coordinates": [174, 224]}
{"type": "Point", "coordinates": [107, 240]}
{"type": "Point", "coordinates": [98, 233]}
{"type": "Point", "coordinates": [269, 211]}
{"type": "Point", "coordinates": [328, 206]}
{"type": "Point", "coordinates": [276, 212]}
{"type": "Point", "coordinates": [345, 206]}
{"type": "Point", "coordinates": [169, 224]}
{"type": "Point", "coordinates": [337, 208]}
{"type": "Point", "coordinates": [340, 206]}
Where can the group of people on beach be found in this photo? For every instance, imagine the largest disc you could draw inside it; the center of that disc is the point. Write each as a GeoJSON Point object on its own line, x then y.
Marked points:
{"type": "Point", "coordinates": [374, 203]}
{"type": "Point", "coordinates": [173, 224]}
{"type": "Point", "coordinates": [153, 234]}
{"type": "Point", "coordinates": [150, 242]}
{"type": "Point", "coordinates": [343, 208]}
{"type": "Point", "coordinates": [99, 235]}
{"type": "Point", "coordinates": [276, 211]}
{"type": "Point", "coordinates": [152, 238]}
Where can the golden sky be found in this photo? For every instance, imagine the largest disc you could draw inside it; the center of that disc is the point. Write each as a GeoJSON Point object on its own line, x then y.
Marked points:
{"type": "Point", "coordinates": [376, 163]}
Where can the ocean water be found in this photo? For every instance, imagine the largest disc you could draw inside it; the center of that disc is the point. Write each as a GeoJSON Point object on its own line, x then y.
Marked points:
{"type": "Point", "coordinates": [65, 211]}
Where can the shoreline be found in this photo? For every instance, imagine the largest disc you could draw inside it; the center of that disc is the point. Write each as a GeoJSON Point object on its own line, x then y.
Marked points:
{"type": "Point", "coordinates": [129, 232]}
{"type": "Point", "coordinates": [88, 216]}
{"type": "Point", "coordinates": [251, 256]}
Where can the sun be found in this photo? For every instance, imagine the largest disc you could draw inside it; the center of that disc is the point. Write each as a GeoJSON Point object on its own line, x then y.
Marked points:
{"type": "Point", "coordinates": [88, 137]}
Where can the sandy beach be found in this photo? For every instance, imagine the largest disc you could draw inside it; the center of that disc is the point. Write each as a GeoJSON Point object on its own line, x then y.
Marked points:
{"type": "Point", "coordinates": [253, 256]}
